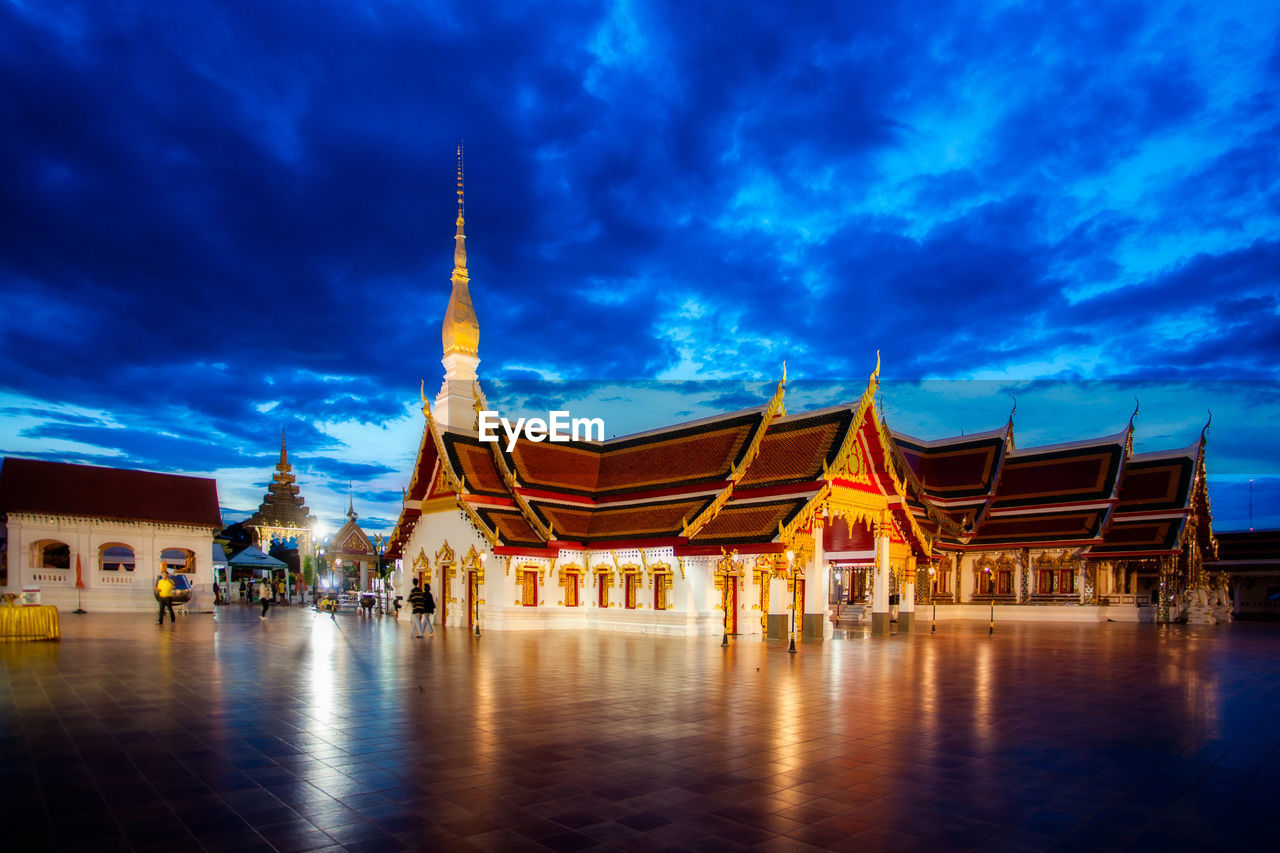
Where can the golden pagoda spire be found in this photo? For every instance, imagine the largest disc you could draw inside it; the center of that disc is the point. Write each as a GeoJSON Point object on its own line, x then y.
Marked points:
{"type": "Point", "coordinates": [461, 331]}
{"type": "Point", "coordinates": [284, 454]}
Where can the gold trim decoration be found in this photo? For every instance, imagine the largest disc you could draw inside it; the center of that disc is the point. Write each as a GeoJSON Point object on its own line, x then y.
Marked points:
{"type": "Point", "coordinates": [680, 562]}
{"type": "Point", "coordinates": [421, 561]}
{"type": "Point", "coordinates": [729, 566]}
{"type": "Point", "coordinates": [445, 554]}
{"type": "Point", "coordinates": [473, 563]}
{"type": "Point", "coordinates": [447, 563]}
{"type": "Point", "coordinates": [944, 522]}
{"type": "Point", "coordinates": [737, 471]}
{"type": "Point", "coordinates": [604, 574]}
{"type": "Point", "coordinates": [456, 481]}
{"type": "Point", "coordinates": [508, 476]}
{"type": "Point", "coordinates": [632, 594]}
{"type": "Point", "coordinates": [761, 576]}
{"type": "Point", "coordinates": [661, 571]}
{"type": "Point", "coordinates": [886, 443]}
{"type": "Point", "coordinates": [570, 573]}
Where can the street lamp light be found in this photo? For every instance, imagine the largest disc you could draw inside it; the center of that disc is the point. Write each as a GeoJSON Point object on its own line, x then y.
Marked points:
{"type": "Point", "coordinates": [791, 555]}
{"type": "Point", "coordinates": [475, 596]}
{"type": "Point", "coordinates": [933, 596]}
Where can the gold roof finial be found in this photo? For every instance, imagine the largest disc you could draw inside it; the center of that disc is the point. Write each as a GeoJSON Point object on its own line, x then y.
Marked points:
{"type": "Point", "coordinates": [284, 454]}
{"type": "Point", "coordinates": [461, 331]}
{"type": "Point", "coordinates": [460, 204]}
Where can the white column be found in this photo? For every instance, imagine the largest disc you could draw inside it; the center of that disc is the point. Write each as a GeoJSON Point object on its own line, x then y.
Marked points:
{"type": "Point", "coordinates": [817, 589]}
{"type": "Point", "coordinates": [880, 582]}
{"type": "Point", "coordinates": [907, 607]}
{"type": "Point", "coordinates": [454, 406]}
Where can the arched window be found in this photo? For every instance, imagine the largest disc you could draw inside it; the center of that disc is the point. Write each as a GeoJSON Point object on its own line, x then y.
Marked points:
{"type": "Point", "coordinates": [178, 560]}
{"type": "Point", "coordinates": [50, 554]}
{"type": "Point", "coordinates": [115, 557]}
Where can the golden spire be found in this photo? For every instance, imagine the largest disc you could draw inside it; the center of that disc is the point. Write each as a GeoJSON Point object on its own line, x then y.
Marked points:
{"type": "Point", "coordinates": [461, 330]}
{"type": "Point", "coordinates": [460, 239]}
{"type": "Point", "coordinates": [284, 455]}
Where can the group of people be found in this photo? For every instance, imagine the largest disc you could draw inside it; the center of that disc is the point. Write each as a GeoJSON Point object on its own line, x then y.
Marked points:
{"type": "Point", "coordinates": [274, 590]}
{"type": "Point", "coordinates": [421, 602]}
{"type": "Point", "coordinates": [423, 606]}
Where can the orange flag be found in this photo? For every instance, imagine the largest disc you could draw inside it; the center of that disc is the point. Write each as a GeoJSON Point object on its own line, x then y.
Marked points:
{"type": "Point", "coordinates": [79, 578]}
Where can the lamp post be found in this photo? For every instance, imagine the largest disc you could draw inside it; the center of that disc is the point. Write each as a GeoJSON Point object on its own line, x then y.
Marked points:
{"type": "Point", "coordinates": [377, 550]}
{"type": "Point", "coordinates": [475, 596]}
{"type": "Point", "coordinates": [316, 582]}
{"type": "Point", "coordinates": [724, 639]}
{"type": "Point", "coordinates": [933, 597]}
{"type": "Point", "coordinates": [991, 590]}
{"type": "Point", "coordinates": [795, 589]}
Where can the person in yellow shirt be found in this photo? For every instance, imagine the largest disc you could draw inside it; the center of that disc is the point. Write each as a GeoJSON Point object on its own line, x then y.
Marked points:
{"type": "Point", "coordinates": [164, 593]}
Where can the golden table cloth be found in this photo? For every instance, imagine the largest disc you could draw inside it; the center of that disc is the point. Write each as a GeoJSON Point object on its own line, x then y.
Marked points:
{"type": "Point", "coordinates": [37, 622]}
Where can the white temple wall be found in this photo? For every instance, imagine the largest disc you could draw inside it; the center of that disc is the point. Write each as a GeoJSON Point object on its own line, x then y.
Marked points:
{"type": "Point", "coordinates": [431, 533]}
{"type": "Point", "coordinates": [105, 590]}
{"type": "Point", "coordinates": [968, 583]}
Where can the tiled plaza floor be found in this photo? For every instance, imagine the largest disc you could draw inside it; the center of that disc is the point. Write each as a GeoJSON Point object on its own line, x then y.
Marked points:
{"type": "Point", "coordinates": [301, 733]}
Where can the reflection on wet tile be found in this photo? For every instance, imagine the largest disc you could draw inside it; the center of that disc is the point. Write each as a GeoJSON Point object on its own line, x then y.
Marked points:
{"type": "Point", "coordinates": [223, 733]}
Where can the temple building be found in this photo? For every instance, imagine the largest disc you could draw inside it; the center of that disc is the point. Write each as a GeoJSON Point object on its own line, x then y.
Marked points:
{"type": "Point", "coordinates": [98, 537]}
{"type": "Point", "coordinates": [283, 515]}
{"type": "Point", "coordinates": [350, 555]}
{"type": "Point", "coordinates": [764, 523]}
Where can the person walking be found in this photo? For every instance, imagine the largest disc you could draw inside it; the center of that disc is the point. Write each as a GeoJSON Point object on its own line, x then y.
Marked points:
{"type": "Point", "coordinates": [243, 592]}
{"type": "Point", "coordinates": [418, 604]}
{"type": "Point", "coordinates": [164, 594]}
{"type": "Point", "coordinates": [431, 608]}
{"type": "Point", "coordinates": [264, 593]}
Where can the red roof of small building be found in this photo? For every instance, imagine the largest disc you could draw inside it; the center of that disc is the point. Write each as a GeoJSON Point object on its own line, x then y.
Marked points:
{"type": "Point", "coordinates": [59, 488]}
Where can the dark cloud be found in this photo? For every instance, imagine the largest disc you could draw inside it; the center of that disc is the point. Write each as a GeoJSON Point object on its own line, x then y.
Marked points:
{"type": "Point", "coordinates": [339, 469]}
{"type": "Point", "coordinates": [222, 220]}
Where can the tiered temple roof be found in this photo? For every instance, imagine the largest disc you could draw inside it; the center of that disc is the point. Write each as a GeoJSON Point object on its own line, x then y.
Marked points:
{"type": "Point", "coordinates": [283, 505]}
{"type": "Point", "coordinates": [747, 480]}
{"type": "Point", "coordinates": [1094, 495]}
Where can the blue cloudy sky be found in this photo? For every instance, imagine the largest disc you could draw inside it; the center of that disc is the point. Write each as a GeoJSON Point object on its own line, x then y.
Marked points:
{"type": "Point", "coordinates": [225, 219]}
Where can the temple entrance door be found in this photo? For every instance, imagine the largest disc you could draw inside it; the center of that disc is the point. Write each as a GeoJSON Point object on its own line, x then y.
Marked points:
{"type": "Point", "coordinates": [471, 599]}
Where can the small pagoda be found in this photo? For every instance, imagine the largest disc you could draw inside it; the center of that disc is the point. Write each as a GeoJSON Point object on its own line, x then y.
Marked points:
{"type": "Point", "coordinates": [283, 514]}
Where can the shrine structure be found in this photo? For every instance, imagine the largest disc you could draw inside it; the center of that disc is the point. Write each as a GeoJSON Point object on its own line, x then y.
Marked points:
{"type": "Point", "coordinates": [763, 523]}
{"type": "Point", "coordinates": [351, 555]}
{"type": "Point", "coordinates": [283, 515]}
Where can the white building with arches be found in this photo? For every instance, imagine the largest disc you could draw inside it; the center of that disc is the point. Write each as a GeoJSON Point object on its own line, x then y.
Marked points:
{"type": "Point", "coordinates": [118, 526]}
